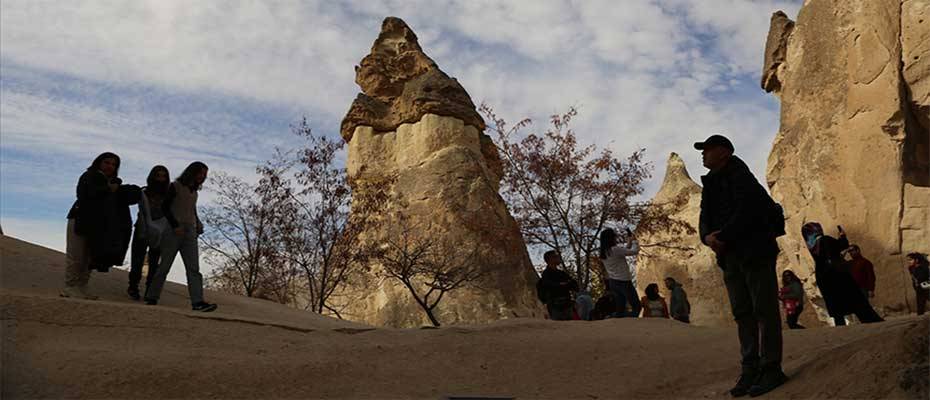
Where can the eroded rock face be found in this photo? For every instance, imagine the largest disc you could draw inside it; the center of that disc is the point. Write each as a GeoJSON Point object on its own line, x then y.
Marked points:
{"type": "Point", "coordinates": [684, 257]}
{"type": "Point", "coordinates": [852, 147]}
{"type": "Point", "coordinates": [415, 123]}
{"type": "Point", "coordinates": [400, 84]}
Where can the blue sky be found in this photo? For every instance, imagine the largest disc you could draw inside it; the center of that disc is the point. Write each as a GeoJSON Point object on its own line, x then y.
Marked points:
{"type": "Point", "coordinates": [170, 82]}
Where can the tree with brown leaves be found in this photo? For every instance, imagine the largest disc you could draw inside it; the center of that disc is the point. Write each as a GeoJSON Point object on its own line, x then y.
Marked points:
{"type": "Point", "coordinates": [563, 194]}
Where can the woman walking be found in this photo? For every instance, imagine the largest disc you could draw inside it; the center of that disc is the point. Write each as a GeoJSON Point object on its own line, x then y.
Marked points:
{"type": "Point", "coordinates": [99, 224]}
{"type": "Point", "coordinates": [840, 292]}
{"type": "Point", "coordinates": [144, 240]}
{"type": "Point", "coordinates": [791, 295]}
{"type": "Point", "coordinates": [180, 208]}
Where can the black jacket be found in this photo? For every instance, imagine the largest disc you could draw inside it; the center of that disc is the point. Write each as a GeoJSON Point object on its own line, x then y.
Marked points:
{"type": "Point", "coordinates": [841, 293]}
{"type": "Point", "coordinates": [734, 203]}
{"type": "Point", "coordinates": [103, 218]}
{"type": "Point", "coordinates": [550, 288]}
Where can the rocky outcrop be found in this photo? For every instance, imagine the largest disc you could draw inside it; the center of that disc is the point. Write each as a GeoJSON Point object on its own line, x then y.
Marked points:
{"type": "Point", "coordinates": [400, 84]}
{"type": "Point", "coordinates": [683, 256]}
{"type": "Point", "coordinates": [418, 125]}
{"type": "Point", "coordinates": [775, 48]}
{"type": "Point", "coordinates": [852, 149]}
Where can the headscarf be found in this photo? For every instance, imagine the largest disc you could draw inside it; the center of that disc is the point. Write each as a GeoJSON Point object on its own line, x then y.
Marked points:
{"type": "Point", "coordinates": [812, 232]}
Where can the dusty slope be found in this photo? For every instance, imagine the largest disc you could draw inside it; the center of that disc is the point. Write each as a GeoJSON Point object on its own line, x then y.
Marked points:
{"type": "Point", "coordinates": [54, 347]}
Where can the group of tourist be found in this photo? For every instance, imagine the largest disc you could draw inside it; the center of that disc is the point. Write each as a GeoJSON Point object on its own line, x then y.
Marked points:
{"type": "Point", "coordinates": [100, 226]}
{"type": "Point", "coordinates": [564, 301]}
{"type": "Point", "coordinates": [740, 222]}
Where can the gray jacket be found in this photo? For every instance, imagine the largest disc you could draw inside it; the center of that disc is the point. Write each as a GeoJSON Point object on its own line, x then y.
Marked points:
{"type": "Point", "coordinates": [678, 303]}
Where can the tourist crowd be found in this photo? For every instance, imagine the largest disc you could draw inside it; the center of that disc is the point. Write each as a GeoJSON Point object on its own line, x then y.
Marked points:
{"type": "Point", "coordinates": [740, 222]}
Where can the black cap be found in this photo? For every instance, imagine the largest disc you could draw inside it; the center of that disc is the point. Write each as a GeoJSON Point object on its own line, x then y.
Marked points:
{"type": "Point", "coordinates": [715, 140]}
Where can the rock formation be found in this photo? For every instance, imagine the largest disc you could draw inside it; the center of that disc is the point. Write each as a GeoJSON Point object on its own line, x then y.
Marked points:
{"type": "Point", "coordinates": [415, 123]}
{"type": "Point", "coordinates": [683, 256]}
{"type": "Point", "coordinates": [853, 77]}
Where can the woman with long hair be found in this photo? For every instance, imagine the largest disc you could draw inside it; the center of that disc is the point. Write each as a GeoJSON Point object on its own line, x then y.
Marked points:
{"type": "Point", "coordinates": [917, 266]}
{"type": "Point", "coordinates": [180, 208]}
{"type": "Point", "coordinates": [99, 224]}
{"type": "Point", "coordinates": [618, 271]}
{"type": "Point", "coordinates": [792, 296]}
{"type": "Point", "coordinates": [840, 292]}
{"type": "Point", "coordinates": [654, 305]}
{"type": "Point", "coordinates": [150, 210]}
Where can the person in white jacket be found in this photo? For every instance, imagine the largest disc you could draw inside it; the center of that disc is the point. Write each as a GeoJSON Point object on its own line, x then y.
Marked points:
{"type": "Point", "coordinates": [619, 274]}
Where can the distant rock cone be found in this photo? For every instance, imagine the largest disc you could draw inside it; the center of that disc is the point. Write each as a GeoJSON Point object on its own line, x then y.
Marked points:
{"type": "Point", "coordinates": [683, 256]}
{"type": "Point", "coordinates": [415, 123]}
{"type": "Point", "coordinates": [853, 149]}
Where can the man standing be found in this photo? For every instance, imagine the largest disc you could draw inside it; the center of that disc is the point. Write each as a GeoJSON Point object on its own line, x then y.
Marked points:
{"type": "Point", "coordinates": [738, 223]}
{"type": "Point", "coordinates": [555, 288]}
{"type": "Point", "coordinates": [679, 307]}
{"type": "Point", "coordinates": [862, 272]}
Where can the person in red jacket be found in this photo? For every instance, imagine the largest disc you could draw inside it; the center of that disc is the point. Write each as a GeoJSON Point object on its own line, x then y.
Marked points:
{"type": "Point", "coordinates": [862, 271]}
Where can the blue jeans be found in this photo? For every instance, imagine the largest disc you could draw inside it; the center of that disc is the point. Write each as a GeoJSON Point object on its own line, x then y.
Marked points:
{"type": "Point", "coordinates": [171, 245]}
{"type": "Point", "coordinates": [625, 293]}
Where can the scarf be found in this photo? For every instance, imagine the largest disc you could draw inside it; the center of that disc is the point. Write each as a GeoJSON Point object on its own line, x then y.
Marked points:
{"type": "Point", "coordinates": [812, 232]}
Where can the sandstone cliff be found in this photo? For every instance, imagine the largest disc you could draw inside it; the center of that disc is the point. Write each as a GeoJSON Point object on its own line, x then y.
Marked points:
{"type": "Point", "coordinates": [683, 256]}
{"type": "Point", "coordinates": [415, 123]}
{"type": "Point", "coordinates": [853, 77]}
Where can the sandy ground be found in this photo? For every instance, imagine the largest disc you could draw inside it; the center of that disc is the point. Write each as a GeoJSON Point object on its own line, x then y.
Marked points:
{"type": "Point", "coordinates": [116, 348]}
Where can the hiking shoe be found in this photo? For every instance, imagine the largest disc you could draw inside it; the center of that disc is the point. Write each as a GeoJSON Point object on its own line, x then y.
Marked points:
{"type": "Point", "coordinates": [203, 307]}
{"type": "Point", "coordinates": [86, 294]}
{"type": "Point", "coordinates": [744, 384]}
{"type": "Point", "coordinates": [769, 380]}
{"type": "Point", "coordinates": [151, 302]}
{"type": "Point", "coordinates": [71, 291]}
{"type": "Point", "coordinates": [134, 293]}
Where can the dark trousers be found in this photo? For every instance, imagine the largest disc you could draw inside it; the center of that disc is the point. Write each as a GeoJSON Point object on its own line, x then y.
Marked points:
{"type": "Point", "coordinates": [625, 293]}
{"type": "Point", "coordinates": [560, 311]}
{"type": "Point", "coordinates": [922, 297]}
{"type": "Point", "coordinates": [139, 248]}
{"type": "Point", "coordinates": [753, 290]}
{"type": "Point", "coordinates": [792, 319]}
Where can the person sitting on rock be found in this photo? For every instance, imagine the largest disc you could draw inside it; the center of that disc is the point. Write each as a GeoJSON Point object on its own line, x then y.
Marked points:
{"type": "Point", "coordinates": [917, 266]}
{"type": "Point", "coordinates": [654, 305]}
{"type": "Point", "coordinates": [840, 292]}
{"type": "Point", "coordinates": [791, 295]}
{"type": "Point", "coordinates": [680, 308]}
{"type": "Point", "coordinates": [555, 288]}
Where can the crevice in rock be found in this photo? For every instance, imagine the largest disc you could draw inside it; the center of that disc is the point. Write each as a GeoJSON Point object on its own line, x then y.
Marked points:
{"type": "Point", "coordinates": [916, 150]}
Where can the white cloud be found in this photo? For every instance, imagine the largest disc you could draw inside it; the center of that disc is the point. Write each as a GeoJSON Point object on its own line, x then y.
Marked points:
{"type": "Point", "coordinates": [654, 74]}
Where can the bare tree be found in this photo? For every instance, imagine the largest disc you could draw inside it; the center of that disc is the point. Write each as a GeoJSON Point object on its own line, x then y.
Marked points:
{"type": "Point", "coordinates": [429, 266]}
{"type": "Point", "coordinates": [318, 233]}
{"type": "Point", "coordinates": [239, 240]}
{"type": "Point", "coordinates": [562, 194]}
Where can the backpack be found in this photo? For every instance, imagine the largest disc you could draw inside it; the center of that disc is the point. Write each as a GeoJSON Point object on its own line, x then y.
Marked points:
{"type": "Point", "coordinates": [541, 293]}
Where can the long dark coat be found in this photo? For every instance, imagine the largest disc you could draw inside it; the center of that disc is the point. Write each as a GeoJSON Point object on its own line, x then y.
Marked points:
{"type": "Point", "coordinates": [103, 218]}
{"type": "Point", "coordinates": [840, 291]}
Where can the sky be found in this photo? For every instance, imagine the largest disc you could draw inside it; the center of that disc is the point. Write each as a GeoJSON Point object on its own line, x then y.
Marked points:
{"type": "Point", "coordinates": [169, 82]}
